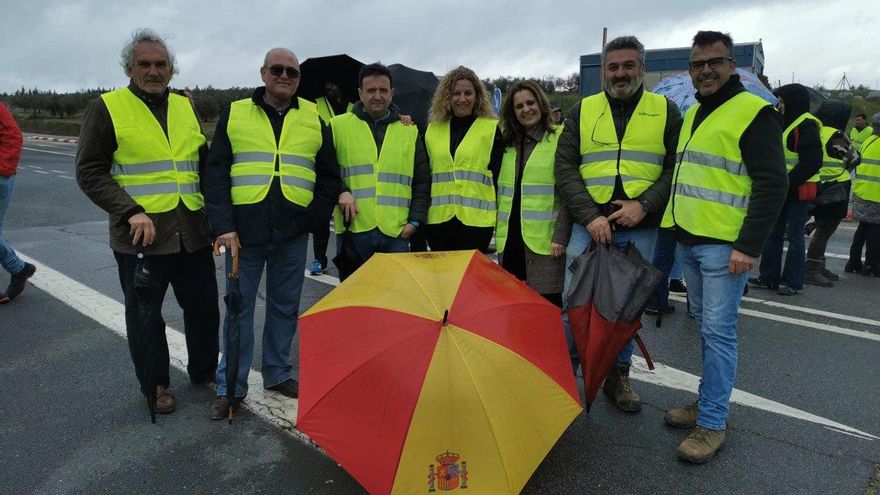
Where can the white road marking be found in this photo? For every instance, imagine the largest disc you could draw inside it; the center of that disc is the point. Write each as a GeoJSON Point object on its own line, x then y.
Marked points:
{"type": "Point", "coordinates": [669, 377]}
{"type": "Point", "coordinates": [818, 312]}
{"type": "Point", "coordinates": [273, 407]}
{"type": "Point", "coordinates": [804, 323]}
{"type": "Point", "coordinates": [41, 172]}
{"type": "Point", "coordinates": [47, 151]}
{"type": "Point", "coordinates": [59, 171]}
{"type": "Point", "coordinates": [281, 411]}
{"type": "Point", "coordinates": [828, 255]}
{"type": "Point", "coordinates": [681, 380]}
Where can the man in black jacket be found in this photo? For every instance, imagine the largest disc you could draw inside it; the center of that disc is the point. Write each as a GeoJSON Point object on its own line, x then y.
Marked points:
{"type": "Point", "coordinates": [728, 187]}
{"type": "Point", "coordinates": [613, 166]}
{"type": "Point", "coordinates": [392, 191]}
{"type": "Point", "coordinates": [271, 176]}
{"type": "Point", "coordinates": [803, 156]}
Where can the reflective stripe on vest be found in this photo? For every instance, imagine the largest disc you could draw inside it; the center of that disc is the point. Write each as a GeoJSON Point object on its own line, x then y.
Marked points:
{"type": "Point", "coordinates": [539, 205]}
{"type": "Point", "coordinates": [867, 182]}
{"type": "Point", "coordinates": [462, 187]}
{"type": "Point", "coordinates": [381, 185]}
{"type": "Point", "coordinates": [833, 169]}
{"type": "Point", "coordinates": [325, 110]}
{"type": "Point", "coordinates": [711, 186]}
{"type": "Point", "coordinates": [257, 158]}
{"type": "Point", "coordinates": [156, 170]}
{"type": "Point", "coordinates": [637, 159]}
{"type": "Point", "coordinates": [792, 157]}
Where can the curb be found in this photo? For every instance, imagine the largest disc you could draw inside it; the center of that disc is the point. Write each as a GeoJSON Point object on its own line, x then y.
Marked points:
{"type": "Point", "coordinates": [54, 139]}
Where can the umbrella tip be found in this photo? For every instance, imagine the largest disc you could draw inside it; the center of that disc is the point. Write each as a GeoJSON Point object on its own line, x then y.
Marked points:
{"type": "Point", "coordinates": [445, 317]}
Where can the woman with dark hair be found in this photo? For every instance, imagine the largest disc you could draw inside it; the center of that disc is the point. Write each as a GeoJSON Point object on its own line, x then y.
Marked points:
{"type": "Point", "coordinates": [464, 147]}
{"type": "Point", "coordinates": [532, 229]}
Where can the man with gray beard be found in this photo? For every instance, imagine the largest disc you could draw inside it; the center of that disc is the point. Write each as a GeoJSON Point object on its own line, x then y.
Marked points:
{"type": "Point", "coordinates": [614, 166]}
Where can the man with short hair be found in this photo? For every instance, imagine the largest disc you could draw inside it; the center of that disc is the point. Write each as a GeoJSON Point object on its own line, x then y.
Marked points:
{"type": "Point", "coordinates": [613, 168]}
{"type": "Point", "coordinates": [271, 177]}
{"type": "Point", "coordinates": [11, 143]}
{"type": "Point", "coordinates": [386, 176]}
{"type": "Point", "coordinates": [556, 112]}
{"type": "Point", "coordinates": [861, 130]}
{"type": "Point", "coordinates": [140, 154]}
{"type": "Point", "coordinates": [728, 187]}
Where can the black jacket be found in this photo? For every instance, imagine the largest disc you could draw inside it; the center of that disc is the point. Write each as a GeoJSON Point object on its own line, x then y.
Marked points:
{"type": "Point", "coordinates": [274, 219]}
{"type": "Point", "coordinates": [761, 148]}
{"type": "Point", "coordinates": [421, 184]}
{"type": "Point", "coordinates": [805, 141]}
{"type": "Point", "coordinates": [568, 160]}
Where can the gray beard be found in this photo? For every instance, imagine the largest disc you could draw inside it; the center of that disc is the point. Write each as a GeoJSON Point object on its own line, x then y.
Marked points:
{"type": "Point", "coordinates": [631, 90]}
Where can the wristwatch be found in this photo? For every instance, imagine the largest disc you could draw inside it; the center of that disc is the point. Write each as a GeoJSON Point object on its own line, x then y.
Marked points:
{"type": "Point", "coordinates": [645, 207]}
{"type": "Point", "coordinates": [414, 223]}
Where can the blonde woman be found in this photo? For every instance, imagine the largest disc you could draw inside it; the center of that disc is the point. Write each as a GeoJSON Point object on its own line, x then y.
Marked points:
{"type": "Point", "coordinates": [532, 231]}
{"type": "Point", "coordinates": [465, 149]}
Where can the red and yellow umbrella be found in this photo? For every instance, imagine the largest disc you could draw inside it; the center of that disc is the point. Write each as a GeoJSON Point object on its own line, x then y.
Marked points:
{"type": "Point", "coordinates": [434, 372]}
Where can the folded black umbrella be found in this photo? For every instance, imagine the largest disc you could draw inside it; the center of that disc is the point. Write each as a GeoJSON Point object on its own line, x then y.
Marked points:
{"type": "Point", "coordinates": [144, 285]}
{"type": "Point", "coordinates": [231, 337]}
{"type": "Point", "coordinates": [348, 260]}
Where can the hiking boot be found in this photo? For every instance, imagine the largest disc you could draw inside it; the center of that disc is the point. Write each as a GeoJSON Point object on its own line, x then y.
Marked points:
{"type": "Point", "coordinates": [785, 290]}
{"type": "Point", "coordinates": [164, 401]}
{"type": "Point", "coordinates": [828, 273]}
{"type": "Point", "coordinates": [701, 445]}
{"type": "Point", "coordinates": [677, 285]}
{"type": "Point", "coordinates": [289, 387]}
{"type": "Point", "coordinates": [315, 268]}
{"type": "Point", "coordinates": [19, 280]}
{"type": "Point", "coordinates": [618, 389]}
{"type": "Point", "coordinates": [853, 266]}
{"type": "Point", "coordinates": [685, 418]}
{"type": "Point", "coordinates": [220, 408]}
{"type": "Point", "coordinates": [760, 283]}
{"type": "Point", "coordinates": [813, 274]}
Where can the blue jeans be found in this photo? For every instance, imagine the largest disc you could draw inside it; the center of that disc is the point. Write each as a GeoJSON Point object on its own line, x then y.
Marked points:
{"type": "Point", "coordinates": [665, 261]}
{"type": "Point", "coordinates": [644, 239]}
{"type": "Point", "coordinates": [791, 221]}
{"type": "Point", "coordinates": [714, 294]}
{"type": "Point", "coordinates": [374, 241]}
{"type": "Point", "coordinates": [285, 268]}
{"type": "Point", "coordinates": [8, 259]}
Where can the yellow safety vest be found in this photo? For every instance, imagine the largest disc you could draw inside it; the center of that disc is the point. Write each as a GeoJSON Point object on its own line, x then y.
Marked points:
{"type": "Point", "coordinates": [539, 205]}
{"type": "Point", "coordinates": [858, 137]}
{"type": "Point", "coordinates": [255, 152]}
{"type": "Point", "coordinates": [156, 171]}
{"type": "Point", "coordinates": [867, 183]}
{"type": "Point", "coordinates": [462, 186]}
{"type": "Point", "coordinates": [380, 181]}
{"type": "Point", "coordinates": [833, 169]}
{"type": "Point", "coordinates": [791, 157]}
{"type": "Point", "coordinates": [325, 109]}
{"type": "Point", "coordinates": [637, 159]}
{"type": "Point", "coordinates": [711, 185]}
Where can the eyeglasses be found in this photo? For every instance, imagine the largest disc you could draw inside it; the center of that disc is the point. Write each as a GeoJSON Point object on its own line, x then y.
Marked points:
{"type": "Point", "coordinates": [277, 70]}
{"type": "Point", "coordinates": [714, 63]}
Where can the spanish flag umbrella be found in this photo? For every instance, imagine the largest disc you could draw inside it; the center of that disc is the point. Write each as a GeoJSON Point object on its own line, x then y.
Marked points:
{"type": "Point", "coordinates": [435, 372]}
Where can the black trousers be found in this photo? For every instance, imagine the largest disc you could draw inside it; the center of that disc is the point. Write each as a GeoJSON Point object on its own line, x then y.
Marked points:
{"type": "Point", "coordinates": [192, 277]}
{"type": "Point", "coordinates": [867, 234]}
{"type": "Point", "coordinates": [320, 240]}
{"type": "Point", "coordinates": [452, 235]}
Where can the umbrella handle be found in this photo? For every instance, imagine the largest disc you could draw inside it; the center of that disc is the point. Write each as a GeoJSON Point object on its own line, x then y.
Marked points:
{"type": "Point", "coordinates": [234, 272]}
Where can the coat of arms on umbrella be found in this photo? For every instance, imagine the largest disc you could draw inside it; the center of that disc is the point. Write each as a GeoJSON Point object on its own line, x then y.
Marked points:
{"type": "Point", "coordinates": [449, 474]}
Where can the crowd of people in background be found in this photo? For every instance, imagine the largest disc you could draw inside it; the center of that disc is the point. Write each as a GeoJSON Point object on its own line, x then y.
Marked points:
{"type": "Point", "coordinates": [704, 194]}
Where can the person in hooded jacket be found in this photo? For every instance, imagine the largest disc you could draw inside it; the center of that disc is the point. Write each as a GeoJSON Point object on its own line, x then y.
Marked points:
{"type": "Point", "coordinates": [832, 200]}
{"type": "Point", "coordinates": [803, 158]}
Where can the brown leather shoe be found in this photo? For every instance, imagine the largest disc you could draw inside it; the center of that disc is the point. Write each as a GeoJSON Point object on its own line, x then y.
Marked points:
{"type": "Point", "coordinates": [219, 408]}
{"type": "Point", "coordinates": [289, 387]}
{"type": "Point", "coordinates": [164, 401]}
{"type": "Point", "coordinates": [701, 445]}
{"type": "Point", "coordinates": [685, 417]}
{"type": "Point", "coordinates": [618, 389]}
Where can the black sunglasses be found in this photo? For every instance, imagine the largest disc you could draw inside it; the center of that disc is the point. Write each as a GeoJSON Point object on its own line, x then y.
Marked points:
{"type": "Point", "coordinates": [714, 63]}
{"type": "Point", "coordinates": [277, 70]}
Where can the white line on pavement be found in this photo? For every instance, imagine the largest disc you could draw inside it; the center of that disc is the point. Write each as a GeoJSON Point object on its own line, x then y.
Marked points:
{"type": "Point", "coordinates": [818, 312]}
{"type": "Point", "coordinates": [804, 323]}
{"type": "Point", "coordinates": [273, 407]}
{"type": "Point", "coordinates": [59, 171]}
{"type": "Point", "coordinates": [47, 151]}
{"type": "Point", "coordinates": [669, 377]}
{"type": "Point", "coordinates": [828, 255]}
{"type": "Point", "coordinates": [41, 172]}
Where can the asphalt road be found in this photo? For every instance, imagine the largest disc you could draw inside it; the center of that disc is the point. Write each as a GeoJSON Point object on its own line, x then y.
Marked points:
{"type": "Point", "coordinates": [807, 418]}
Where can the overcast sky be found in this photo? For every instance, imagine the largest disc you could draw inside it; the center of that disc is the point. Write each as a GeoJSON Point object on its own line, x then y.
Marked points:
{"type": "Point", "coordinates": [74, 44]}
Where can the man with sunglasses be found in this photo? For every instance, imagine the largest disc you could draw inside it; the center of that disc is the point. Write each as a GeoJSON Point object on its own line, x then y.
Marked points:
{"type": "Point", "coordinates": [140, 154]}
{"type": "Point", "coordinates": [271, 177]}
{"type": "Point", "coordinates": [728, 188]}
{"type": "Point", "coordinates": [613, 168]}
